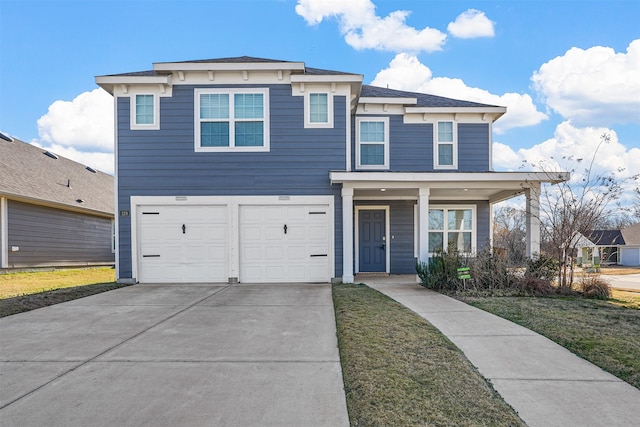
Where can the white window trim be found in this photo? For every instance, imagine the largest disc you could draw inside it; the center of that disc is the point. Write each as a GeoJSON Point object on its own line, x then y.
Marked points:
{"type": "Point", "coordinates": [113, 236]}
{"type": "Point", "coordinates": [232, 147]}
{"type": "Point", "coordinates": [156, 112]}
{"type": "Point", "coordinates": [307, 110]}
{"type": "Point", "coordinates": [474, 225]}
{"type": "Point", "coordinates": [385, 120]}
{"type": "Point", "coordinates": [436, 144]}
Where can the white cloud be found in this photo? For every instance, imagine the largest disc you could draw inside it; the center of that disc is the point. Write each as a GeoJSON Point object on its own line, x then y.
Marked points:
{"type": "Point", "coordinates": [471, 24]}
{"type": "Point", "coordinates": [568, 145]}
{"type": "Point", "coordinates": [81, 130]}
{"type": "Point", "coordinates": [596, 86]}
{"type": "Point", "coordinates": [406, 72]}
{"type": "Point", "coordinates": [363, 29]}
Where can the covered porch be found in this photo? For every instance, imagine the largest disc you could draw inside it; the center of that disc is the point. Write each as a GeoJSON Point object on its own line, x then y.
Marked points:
{"type": "Point", "coordinates": [446, 206]}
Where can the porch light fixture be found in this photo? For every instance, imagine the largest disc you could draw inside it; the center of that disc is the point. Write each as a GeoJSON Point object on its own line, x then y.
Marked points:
{"type": "Point", "coordinates": [383, 189]}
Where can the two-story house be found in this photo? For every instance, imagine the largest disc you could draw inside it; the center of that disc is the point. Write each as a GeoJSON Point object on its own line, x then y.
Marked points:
{"type": "Point", "coordinates": [257, 170]}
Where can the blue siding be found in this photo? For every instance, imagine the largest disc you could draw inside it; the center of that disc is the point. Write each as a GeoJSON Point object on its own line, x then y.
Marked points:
{"type": "Point", "coordinates": [164, 163]}
{"type": "Point", "coordinates": [473, 147]}
{"type": "Point", "coordinates": [410, 145]}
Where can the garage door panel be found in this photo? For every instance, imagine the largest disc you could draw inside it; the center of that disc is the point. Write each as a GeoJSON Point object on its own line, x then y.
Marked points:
{"type": "Point", "coordinates": [196, 253]}
{"type": "Point", "coordinates": [268, 254]}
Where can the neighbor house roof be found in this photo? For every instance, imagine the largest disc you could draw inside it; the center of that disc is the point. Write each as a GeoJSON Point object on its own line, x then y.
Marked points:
{"type": "Point", "coordinates": [605, 237]}
{"type": "Point", "coordinates": [631, 235]}
{"type": "Point", "coordinates": [32, 174]}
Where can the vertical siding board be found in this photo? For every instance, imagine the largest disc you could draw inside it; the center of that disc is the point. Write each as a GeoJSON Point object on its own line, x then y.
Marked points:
{"type": "Point", "coordinates": [53, 237]}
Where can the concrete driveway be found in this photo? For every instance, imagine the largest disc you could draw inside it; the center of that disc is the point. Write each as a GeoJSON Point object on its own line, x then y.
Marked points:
{"type": "Point", "coordinates": [176, 355]}
{"type": "Point", "coordinates": [629, 282]}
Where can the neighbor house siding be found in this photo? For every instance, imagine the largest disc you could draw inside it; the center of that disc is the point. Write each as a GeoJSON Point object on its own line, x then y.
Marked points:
{"type": "Point", "coordinates": [52, 237]}
{"type": "Point", "coordinates": [473, 147]}
{"type": "Point", "coordinates": [164, 163]}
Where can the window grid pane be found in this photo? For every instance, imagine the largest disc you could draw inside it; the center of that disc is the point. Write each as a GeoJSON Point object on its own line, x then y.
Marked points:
{"type": "Point", "coordinates": [248, 106]}
{"type": "Point", "coordinates": [445, 131]}
{"type": "Point", "coordinates": [372, 132]}
{"type": "Point", "coordinates": [318, 108]}
{"type": "Point", "coordinates": [214, 106]}
{"type": "Point", "coordinates": [214, 134]}
{"type": "Point", "coordinates": [435, 241]}
{"type": "Point", "coordinates": [459, 219]}
{"type": "Point", "coordinates": [144, 109]}
{"type": "Point", "coordinates": [371, 154]}
{"type": "Point", "coordinates": [436, 219]}
{"type": "Point", "coordinates": [445, 154]}
{"type": "Point", "coordinates": [249, 134]}
{"type": "Point", "coordinates": [460, 241]}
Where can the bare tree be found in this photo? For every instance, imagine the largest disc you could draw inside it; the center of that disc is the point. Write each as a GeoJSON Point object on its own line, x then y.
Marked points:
{"type": "Point", "coordinates": [509, 234]}
{"type": "Point", "coordinates": [575, 207]}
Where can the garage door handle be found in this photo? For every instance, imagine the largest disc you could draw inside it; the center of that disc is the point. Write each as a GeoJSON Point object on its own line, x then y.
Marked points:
{"type": "Point", "coordinates": [184, 228]}
{"type": "Point", "coordinates": [316, 255]}
{"type": "Point", "coordinates": [150, 256]}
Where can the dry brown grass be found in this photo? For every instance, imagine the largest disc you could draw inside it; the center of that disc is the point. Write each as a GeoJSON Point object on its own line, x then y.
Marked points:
{"type": "Point", "coordinates": [619, 271]}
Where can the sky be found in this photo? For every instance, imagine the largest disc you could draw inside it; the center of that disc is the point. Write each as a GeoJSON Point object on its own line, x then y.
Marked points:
{"type": "Point", "coordinates": [568, 71]}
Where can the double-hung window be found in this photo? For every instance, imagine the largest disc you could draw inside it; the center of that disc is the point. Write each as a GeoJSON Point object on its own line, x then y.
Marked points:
{"type": "Point", "coordinates": [445, 147]}
{"type": "Point", "coordinates": [318, 110]}
{"type": "Point", "coordinates": [232, 120]}
{"type": "Point", "coordinates": [372, 143]}
{"type": "Point", "coordinates": [452, 227]}
{"type": "Point", "coordinates": [144, 111]}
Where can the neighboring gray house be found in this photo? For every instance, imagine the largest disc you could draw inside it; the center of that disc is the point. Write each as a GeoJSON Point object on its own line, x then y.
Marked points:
{"type": "Point", "coordinates": [630, 252]}
{"type": "Point", "coordinates": [54, 212]}
{"type": "Point", "coordinates": [258, 170]}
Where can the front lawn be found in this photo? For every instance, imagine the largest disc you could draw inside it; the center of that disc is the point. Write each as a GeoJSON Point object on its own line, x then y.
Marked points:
{"type": "Point", "coordinates": [604, 332]}
{"type": "Point", "coordinates": [399, 370]}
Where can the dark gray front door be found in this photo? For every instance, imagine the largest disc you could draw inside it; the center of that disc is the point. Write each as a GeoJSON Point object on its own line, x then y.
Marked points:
{"type": "Point", "coordinates": [371, 241]}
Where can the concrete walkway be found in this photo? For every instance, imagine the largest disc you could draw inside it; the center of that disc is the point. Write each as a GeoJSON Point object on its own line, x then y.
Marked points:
{"type": "Point", "coordinates": [545, 383]}
{"type": "Point", "coordinates": [625, 282]}
{"type": "Point", "coordinates": [176, 355]}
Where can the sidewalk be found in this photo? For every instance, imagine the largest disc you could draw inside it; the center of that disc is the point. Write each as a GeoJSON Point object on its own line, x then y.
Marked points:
{"type": "Point", "coordinates": [545, 383]}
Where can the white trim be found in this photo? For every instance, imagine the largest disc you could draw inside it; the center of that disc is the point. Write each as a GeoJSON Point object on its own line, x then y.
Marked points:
{"type": "Point", "coordinates": [385, 143]}
{"type": "Point", "coordinates": [307, 110]}
{"type": "Point", "coordinates": [232, 120]}
{"type": "Point", "coordinates": [437, 143]}
{"type": "Point", "coordinates": [387, 100]}
{"type": "Point", "coordinates": [348, 135]}
{"type": "Point", "coordinates": [445, 238]}
{"type": "Point", "coordinates": [4, 231]}
{"type": "Point", "coordinates": [416, 235]}
{"type": "Point", "coordinates": [498, 111]}
{"type": "Point", "coordinates": [132, 112]}
{"type": "Point", "coordinates": [387, 240]}
{"type": "Point", "coordinates": [327, 78]}
{"type": "Point", "coordinates": [116, 213]}
{"type": "Point", "coordinates": [347, 235]}
{"type": "Point", "coordinates": [233, 203]}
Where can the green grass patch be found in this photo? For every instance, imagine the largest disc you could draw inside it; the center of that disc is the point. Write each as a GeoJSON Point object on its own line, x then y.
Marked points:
{"type": "Point", "coordinates": [604, 332]}
{"type": "Point", "coordinates": [400, 370]}
{"type": "Point", "coordinates": [25, 283]}
{"type": "Point", "coordinates": [20, 292]}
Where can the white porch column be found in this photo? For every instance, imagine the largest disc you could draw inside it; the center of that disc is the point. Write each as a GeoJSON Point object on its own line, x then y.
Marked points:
{"type": "Point", "coordinates": [533, 219]}
{"type": "Point", "coordinates": [347, 235]}
{"type": "Point", "coordinates": [423, 224]}
{"type": "Point", "coordinates": [4, 230]}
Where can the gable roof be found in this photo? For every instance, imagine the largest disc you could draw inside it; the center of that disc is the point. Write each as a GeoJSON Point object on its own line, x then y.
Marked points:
{"type": "Point", "coordinates": [605, 237]}
{"type": "Point", "coordinates": [28, 174]}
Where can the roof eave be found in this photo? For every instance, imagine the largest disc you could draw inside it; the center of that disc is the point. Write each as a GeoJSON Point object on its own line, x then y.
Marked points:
{"type": "Point", "coordinates": [109, 82]}
{"type": "Point", "coordinates": [228, 66]}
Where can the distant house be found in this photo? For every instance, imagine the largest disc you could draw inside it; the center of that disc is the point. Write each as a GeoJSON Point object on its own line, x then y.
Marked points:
{"type": "Point", "coordinates": [619, 247]}
{"type": "Point", "coordinates": [54, 212]}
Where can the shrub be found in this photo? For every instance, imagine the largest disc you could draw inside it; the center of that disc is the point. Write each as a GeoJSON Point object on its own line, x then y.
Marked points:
{"type": "Point", "coordinates": [531, 285]}
{"type": "Point", "coordinates": [490, 271]}
{"type": "Point", "coordinates": [542, 267]}
{"type": "Point", "coordinates": [594, 286]}
{"type": "Point", "coordinates": [441, 271]}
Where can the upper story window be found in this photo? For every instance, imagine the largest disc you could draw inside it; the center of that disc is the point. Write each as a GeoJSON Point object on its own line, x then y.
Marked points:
{"type": "Point", "coordinates": [318, 110]}
{"type": "Point", "coordinates": [372, 143]}
{"type": "Point", "coordinates": [145, 111]}
{"type": "Point", "coordinates": [446, 146]}
{"type": "Point", "coordinates": [232, 119]}
{"type": "Point", "coordinates": [452, 227]}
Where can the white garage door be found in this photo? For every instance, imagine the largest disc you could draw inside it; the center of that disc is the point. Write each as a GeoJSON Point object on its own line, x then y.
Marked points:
{"type": "Point", "coordinates": [182, 244]}
{"type": "Point", "coordinates": [284, 243]}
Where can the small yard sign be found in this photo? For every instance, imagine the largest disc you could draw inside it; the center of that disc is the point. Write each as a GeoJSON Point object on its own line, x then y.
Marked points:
{"type": "Point", "coordinates": [464, 273]}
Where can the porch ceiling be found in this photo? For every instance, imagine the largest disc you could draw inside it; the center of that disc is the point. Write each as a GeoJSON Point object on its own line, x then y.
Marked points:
{"type": "Point", "coordinates": [491, 186]}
